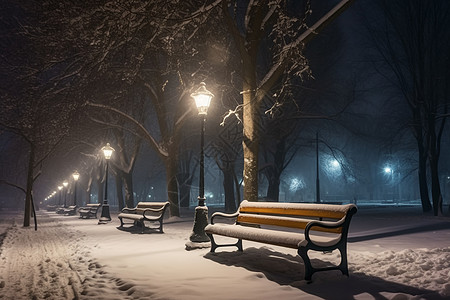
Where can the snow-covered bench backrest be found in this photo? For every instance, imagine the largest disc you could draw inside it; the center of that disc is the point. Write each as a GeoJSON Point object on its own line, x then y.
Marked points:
{"type": "Point", "coordinates": [293, 215]}
{"type": "Point", "coordinates": [142, 206]}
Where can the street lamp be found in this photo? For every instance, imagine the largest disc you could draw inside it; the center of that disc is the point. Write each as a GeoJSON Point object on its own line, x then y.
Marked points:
{"type": "Point", "coordinates": [65, 184]}
{"type": "Point", "coordinates": [202, 99]}
{"type": "Point", "coordinates": [53, 195]}
{"type": "Point", "coordinates": [335, 163]}
{"type": "Point", "coordinates": [75, 176]}
{"type": "Point", "coordinates": [390, 172]}
{"type": "Point", "coordinates": [106, 217]}
{"type": "Point", "coordinates": [60, 194]}
{"type": "Point", "coordinates": [317, 169]}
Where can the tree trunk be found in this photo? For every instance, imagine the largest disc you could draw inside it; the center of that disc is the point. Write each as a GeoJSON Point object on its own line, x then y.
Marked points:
{"type": "Point", "coordinates": [29, 190]}
{"type": "Point", "coordinates": [273, 175]}
{"type": "Point", "coordinates": [119, 191]}
{"type": "Point", "coordinates": [435, 188]}
{"type": "Point", "coordinates": [185, 189]}
{"type": "Point", "coordinates": [228, 187]}
{"type": "Point", "coordinates": [88, 192]}
{"type": "Point", "coordinates": [172, 185]}
{"type": "Point", "coordinates": [433, 159]}
{"type": "Point", "coordinates": [423, 186]}
{"type": "Point", "coordinates": [250, 142]}
{"type": "Point", "coordinates": [273, 190]}
{"type": "Point", "coordinates": [129, 191]}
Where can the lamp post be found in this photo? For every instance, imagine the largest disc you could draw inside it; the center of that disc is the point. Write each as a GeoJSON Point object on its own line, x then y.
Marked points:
{"type": "Point", "coordinates": [75, 176]}
{"type": "Point", "coordinates": [60, 194]}
{"type": "Point", "coordinates": [65, 184]}
{"type": "Point", "coordinates": [202, 99]}
{"type": "Point", "coordinates": [317, 169]}
{"type": "Point", "coordinates": [106, 217]}
{"type": "Point", "coordinates": [390, 172]}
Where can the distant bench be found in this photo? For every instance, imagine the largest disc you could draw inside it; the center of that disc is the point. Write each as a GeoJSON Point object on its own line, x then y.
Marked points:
{"type": "Point", "coordinates": [70, 210]}
{"type": "Point", "coordinates": [90, 210]}
{"type": "Point", "coordinates": [145, 211]}
{"type": "Point", "coordinates": [332, 220]}
{"type": "Point", "coordinates": [51, 207]}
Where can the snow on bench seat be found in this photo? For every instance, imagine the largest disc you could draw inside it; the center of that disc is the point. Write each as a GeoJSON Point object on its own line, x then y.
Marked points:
{"type": "Point", "coordinates": [270, 236]}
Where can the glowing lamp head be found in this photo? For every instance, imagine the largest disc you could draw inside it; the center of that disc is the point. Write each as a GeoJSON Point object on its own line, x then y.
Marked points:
{"type": "Point", "coordinates": [65, 183]}
{"type": "Point", "coordinates": [202, 99]}
{"type": "Point", "coordinates": [335, 163]}
{"type": "Point", "coordinates": [387, 170]}
{"type": "Point", "coordinates": [76, 175]}
{"type": "Point", "coordinates": [60, 187]}
{"type": "Point", "coordinates": [108, 151]}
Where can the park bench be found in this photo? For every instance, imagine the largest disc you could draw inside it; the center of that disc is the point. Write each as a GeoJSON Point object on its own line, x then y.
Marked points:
{"type": "Point", "coordinates": [70, 210]}
{"type": "Point", "coordinates": [88, 211]}
{"type": "Point", "coordinates": [289, 225]}
{"type": "Point", "coordinates": [60, 209]}
{"type": "Point", "coordinates": [51, 207]}
{"type": "Point", "coordinates": [145, 211]}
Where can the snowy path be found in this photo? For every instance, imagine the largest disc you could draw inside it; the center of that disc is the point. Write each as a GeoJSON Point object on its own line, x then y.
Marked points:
{"type": "Point", "coordinates": [52, 263]}
{"type": "Point", "coordinates": [391, 256]}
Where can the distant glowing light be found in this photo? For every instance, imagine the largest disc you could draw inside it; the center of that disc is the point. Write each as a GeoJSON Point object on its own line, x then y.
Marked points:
{"type": "Point", "coordinates": [332, 167]}
{"type": "Point", "coordinates": [296, 184]}
{"type": "Point", "coordinates": [387, 170]}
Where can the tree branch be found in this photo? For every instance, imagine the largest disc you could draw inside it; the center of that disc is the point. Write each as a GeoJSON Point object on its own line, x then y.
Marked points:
{"type": "Point", "coordinates": [144, 131]}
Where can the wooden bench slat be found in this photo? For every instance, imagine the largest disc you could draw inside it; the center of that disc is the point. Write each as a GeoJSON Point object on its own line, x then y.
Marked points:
{"type": "Point", "coordinates": [296, 209]}
{"type": "Point", "coordinates": [290, 222]}
{"type": "Point", "coordinates": [150, 204]}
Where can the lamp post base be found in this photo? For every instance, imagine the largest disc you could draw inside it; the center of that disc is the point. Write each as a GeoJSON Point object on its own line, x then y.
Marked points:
{"type": "Point", "coordinates": [198, 234]}
{"type": "Point", "coordinates": [105, 217]}
{"type": "Point", "coordinates": [193, 245]}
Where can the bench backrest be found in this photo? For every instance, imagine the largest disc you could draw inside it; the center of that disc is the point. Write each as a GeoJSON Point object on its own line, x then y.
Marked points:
{"type": "Point", "coordinates": [293, 215]}
{"type": "Point", "coordinates": [154, 205]}
{"type": "Point", "coordinates": [93, 204]}
{"type": "Point", "coordinates": [142, 206]}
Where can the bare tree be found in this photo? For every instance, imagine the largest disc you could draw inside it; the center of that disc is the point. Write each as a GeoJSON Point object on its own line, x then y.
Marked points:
{"type": "Point", "coordinates": [256, 26]}
{"type": "Point", "coordinates": [413, 44]}
{"type": "Point", "coordinates": [31, 105]}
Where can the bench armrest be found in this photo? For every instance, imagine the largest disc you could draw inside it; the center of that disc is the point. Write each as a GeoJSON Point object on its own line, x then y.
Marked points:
{"type": "Point", "coordinates": [323, 224]}
{"type": "Point", "coordinates": [154, 210]}
{"type": "Point", "coordinates": [223, 215]}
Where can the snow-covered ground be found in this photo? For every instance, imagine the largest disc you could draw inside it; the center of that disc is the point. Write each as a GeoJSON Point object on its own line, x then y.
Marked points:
{"type": "Point", "coordinates": [394, 253]}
